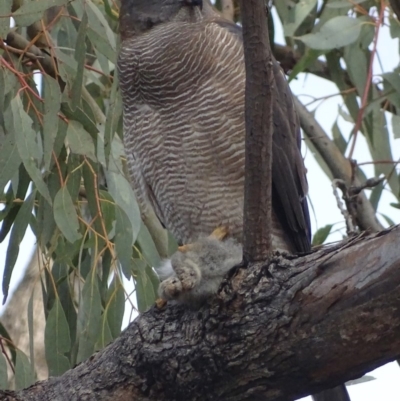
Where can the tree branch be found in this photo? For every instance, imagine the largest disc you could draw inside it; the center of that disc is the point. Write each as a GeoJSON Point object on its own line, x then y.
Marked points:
{"type": "Point", "coordinates": [259, 129]}
{"type": "Point", "coordinates": [275, 332]}
{"type": "Point", "coordinates": [339, 166]}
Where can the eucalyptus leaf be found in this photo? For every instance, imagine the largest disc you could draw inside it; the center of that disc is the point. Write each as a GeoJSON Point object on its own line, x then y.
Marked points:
{"type": "Point", "coordinates": [27, 145]}
{"type": "Point", "coordinates": [17, 234]}
{"type": "Point", "coordinates": [80, 141]}
{"type": "Point", "coordinates": [9, 159]}
{"type": "Point", "coordinates": [123, 240]}
{"type": "Point", "coordinates": [321, 235]}
{"type": "Point", "coordinates": [123, 194]}
{"type": "Point", "coordinates": [24, 374]}
{"type": "Point", "coordinates": [57, 340]}
{"type": "Point", "coordinates": [145, 292]}
{"type": "Point", "coordinates": [395, 126]}
{"type": "Point", "coordinates": [65, 215]}
{"type": "Point", "coordinates": [52, 104]}
{"type": "Point", "coordinates": [5, 9]}
{"type": "Point", "coordinates": [297, 15]}
{"type": "Point", "coordinates": [89, 317]}
{"type": "Point", "coordinates": [115, 307]}
{"type": "Point", "coordinates": [337, 32]}
{"type": "Point", "coordinates": [80, 57]}
{"type": "Point", "coordinates": [32, 11]}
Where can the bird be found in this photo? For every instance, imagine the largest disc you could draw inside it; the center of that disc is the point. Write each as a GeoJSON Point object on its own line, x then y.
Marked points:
{"type": "Point", "coordinates": [182, 78]}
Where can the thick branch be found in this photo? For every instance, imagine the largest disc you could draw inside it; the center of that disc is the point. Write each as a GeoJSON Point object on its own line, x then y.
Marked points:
{"type": "Point", "coordinates": [274, 332]}
{"type": "Point", "coordinates": [259, 129]}
{"type": "Point", "coordinates": [339, 166]}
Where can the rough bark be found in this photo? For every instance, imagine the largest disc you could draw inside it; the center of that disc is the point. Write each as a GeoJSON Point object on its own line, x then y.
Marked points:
{"type": "Point", "coordinates": [257, 236]}
{"type": "Point", "coordinates": [274, 332]}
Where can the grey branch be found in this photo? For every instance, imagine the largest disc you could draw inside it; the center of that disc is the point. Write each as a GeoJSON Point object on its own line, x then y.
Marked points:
{"type": "Point", "coordinates": [338, 165]}
{"type": "Point", "coordinates": [274, 332]}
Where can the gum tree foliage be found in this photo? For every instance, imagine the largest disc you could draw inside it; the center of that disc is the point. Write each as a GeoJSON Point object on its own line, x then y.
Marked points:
{"type": "Point", "coordinates": [62, 163]}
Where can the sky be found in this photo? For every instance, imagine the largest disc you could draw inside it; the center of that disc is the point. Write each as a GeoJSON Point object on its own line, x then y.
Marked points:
{"type": "Point", "coordinates": [386, 386]}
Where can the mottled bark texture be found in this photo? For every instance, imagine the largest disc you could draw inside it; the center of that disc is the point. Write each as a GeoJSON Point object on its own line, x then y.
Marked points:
{"type": "Point", "coordinates": [257, 226]}
{"type": "Point", "coordinates": [274, 332]}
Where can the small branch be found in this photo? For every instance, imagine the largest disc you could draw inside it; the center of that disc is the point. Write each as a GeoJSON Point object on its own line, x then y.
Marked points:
{"type": "Point", "coordinates": [259, 129]}
{"type": "Point", "coordinates": [339, 166]}
{"type": "Point", "coordinates": [346, 211]}
{"type": "Point", "coordinates": [19, 42]}
{"type": "Point", "coordinates": [364, 100]}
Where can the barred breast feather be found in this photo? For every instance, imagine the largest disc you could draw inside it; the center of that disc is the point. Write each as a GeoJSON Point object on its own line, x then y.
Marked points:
{"type": "Point", "coordinates": [183, 89]}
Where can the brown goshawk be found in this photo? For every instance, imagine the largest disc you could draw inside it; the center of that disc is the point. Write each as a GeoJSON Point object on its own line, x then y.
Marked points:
{"type": "Point", "coordinates": [182, 78]}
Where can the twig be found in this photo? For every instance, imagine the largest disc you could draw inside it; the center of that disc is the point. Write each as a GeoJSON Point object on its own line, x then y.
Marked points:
{"type": "Point", "coordinates": [369, 80]}
{"type": "Point", "coordinates": [348, 216]}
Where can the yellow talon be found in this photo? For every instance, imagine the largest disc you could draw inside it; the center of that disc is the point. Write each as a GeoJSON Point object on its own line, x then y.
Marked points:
{"type": "Point", "coordinates": [185, 248]}
{"type": "Point", "coordinates": [160, 303]}
{"type": "Point", "coordinates": [220, 233]}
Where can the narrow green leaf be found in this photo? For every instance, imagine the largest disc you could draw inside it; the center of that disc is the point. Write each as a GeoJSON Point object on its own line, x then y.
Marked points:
{"type": "Point", "coordinates": [113, 116]}
{"type": "Point", "coordinates": [30, 329]}
{"type": "Point", "coordinates": [5, 9]}
{"type": "Point", "coordinates": [337, 32]}
{"type": "Point", "coordinates": [379, 145]}
{"type": "Point", "coordinates": [115, 307]}
{"type": "Point", "coordinates": [81, 117]}
{"type": "Point", "coordinates": [80, 57]}
{"type": "Point", "coordinates": [105, 336]}
{"type": "Point", "coordinates": [123, 240]}
{"type": "Point", "coordinates": [3, 372]}
{"type": "Point", "coordinates": [321, 235]}
{"type": "Point", "coordinates": [4, 333]}
{"type": "Point", "coordinates": [74, 175]}
{"type": "Point", "coordinates": [9, 159]}
{"type": "Point", "coordinates": [89, 318]}
{"type": "Point", "coordinates": [100, 33]}
{"type": "Point", "coordinates": [145, 293]}
{"type": "Point", "coordinates": [395, 127]}
{"type": "Point", "coordinates": [65, 215]}
{"type": "Point", "coordinates": [24, 374]}
{"type": "Point", "coordinates": [27, 146]}
{"type": "Point", "coordinates": [147, 246]}
{"type": "Point", "coordinates": [80, 141]}
{"type": "Point", "coordinates": [57, 340]}
{"type": "Point", "coordinates": [297, 15]}
{"type": "Point", "coordinates": [338, 138]}
{"type": "Point", "coordinates": [92, 194]}
{"type": "Point", "coordinates": [107, 206]}
{"type": "Point", "coordinates": [376, 196]}
{"type": "Point", "coordinates": [52, 104]}
{"type": "Point", "coordinates": [123, 194]}
{"type": "Point", "coordinates": [307, 59]}
{"type": "Point", "coordinates": [32, 11]}
{"type": "Point", "coordinates": [17, 234]}
{"type": "Point", "coordinates": [388, 219]}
